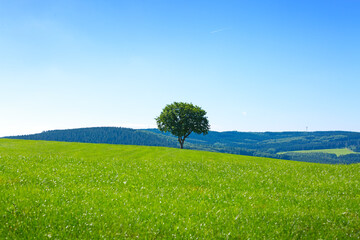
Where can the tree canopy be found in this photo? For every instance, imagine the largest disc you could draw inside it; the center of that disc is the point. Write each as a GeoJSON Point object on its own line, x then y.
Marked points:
{"type": "Point", "coordinates": [181, 119]}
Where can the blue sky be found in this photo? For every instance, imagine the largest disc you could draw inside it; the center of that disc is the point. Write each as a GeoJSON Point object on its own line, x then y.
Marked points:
{"type": "Point", "coordinates": [252, 65]}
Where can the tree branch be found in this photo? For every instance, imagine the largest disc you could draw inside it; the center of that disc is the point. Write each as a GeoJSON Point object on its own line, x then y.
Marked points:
{"type": "Point", "coordinates": [188, 134]}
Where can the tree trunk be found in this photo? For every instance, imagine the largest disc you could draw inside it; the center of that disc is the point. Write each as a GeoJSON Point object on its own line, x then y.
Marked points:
{"type": "Point", "coordinates": [181, 141]}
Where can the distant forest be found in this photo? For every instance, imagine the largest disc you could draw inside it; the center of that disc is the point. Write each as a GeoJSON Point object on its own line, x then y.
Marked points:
{"type": "Point", "coordinates": [264, 144]}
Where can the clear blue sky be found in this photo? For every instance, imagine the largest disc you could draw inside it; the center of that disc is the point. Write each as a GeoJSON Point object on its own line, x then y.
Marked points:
{"type": "Point", "coordinates": [252, 65]}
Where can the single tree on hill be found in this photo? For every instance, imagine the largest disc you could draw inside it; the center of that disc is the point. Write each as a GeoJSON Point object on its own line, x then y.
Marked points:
{"type": "Point", "coordinates": [181, 119]}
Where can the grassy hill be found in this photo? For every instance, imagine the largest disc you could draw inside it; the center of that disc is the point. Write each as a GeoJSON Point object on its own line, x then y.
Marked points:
{"type": "Point", "coordinates": [75, 190]}
{"type": "Point", "coordinates": [111, 135]}
{"type": "Point", "coordinates": [336, 151]}
{"type": "Point", "coordinates": [262, 144]}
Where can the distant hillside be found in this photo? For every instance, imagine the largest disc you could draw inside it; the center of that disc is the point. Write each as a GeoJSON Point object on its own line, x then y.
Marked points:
{"type": "Point", "coordinates": [264, 144]}
{"type": "Point", "coordinates": [110, 135]}
{"type": "Point", "coordinates": [279, 141]}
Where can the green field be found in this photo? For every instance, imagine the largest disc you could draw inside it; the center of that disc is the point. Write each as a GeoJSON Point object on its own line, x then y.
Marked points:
{"type": "Point", "coordinates": [337, 151]}
{"type": "Point", "coordinates": [97, 191]}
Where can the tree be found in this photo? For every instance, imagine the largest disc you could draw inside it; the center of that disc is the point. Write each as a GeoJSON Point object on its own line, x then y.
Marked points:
{"type": "Point", "coordinates": [181, 119]}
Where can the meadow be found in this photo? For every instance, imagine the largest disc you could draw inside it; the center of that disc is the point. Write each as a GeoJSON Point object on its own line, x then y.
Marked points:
{"type": "Point", "coordinates": [97, 191]}
{"type": "Point", "coordinates": [336, 151]}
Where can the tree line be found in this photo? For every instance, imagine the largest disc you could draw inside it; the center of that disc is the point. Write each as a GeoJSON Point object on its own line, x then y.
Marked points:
{"type": "Point", "coordinates": [267, 144]}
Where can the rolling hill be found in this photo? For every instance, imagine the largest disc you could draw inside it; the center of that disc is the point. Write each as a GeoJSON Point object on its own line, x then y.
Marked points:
{"type": "Point", "coordinates": [111, 135]}
{"type": "Point", "coordinates": [89, 191]}
{"type": "Point", "coordinates": [336, 151]}
{"type": "Point", "coordinates": [265, 144]}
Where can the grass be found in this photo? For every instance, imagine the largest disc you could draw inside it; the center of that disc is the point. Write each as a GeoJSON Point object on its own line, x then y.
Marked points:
{"type": "Point", "coordinates": [337, 151]}
{"type": "Point", "coordinates": [91, 191]}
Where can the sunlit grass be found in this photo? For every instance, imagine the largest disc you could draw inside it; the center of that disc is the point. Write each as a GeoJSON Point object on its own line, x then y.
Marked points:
{"type": "Point", "coordinates": [71, 190]}
{"type": "Point", "coordinates": [337, 151]}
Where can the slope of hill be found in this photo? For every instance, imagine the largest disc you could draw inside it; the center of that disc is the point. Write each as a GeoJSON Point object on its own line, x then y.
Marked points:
{"type": "Point", "coordinates": [266, 144]}
{"type": "Point", "coordinates": [111, 135]}
{"type": "Point", "coordinates": [90, 191]}
{"type": "Point", "coordinates": [278, 141]}
{"type": "Point", "coordinates": [337, 151]}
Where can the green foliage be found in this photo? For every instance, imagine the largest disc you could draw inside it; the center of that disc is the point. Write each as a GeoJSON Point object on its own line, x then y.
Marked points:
{"type": "Point", "coordinates": [111, 135]}
{"type": "Point", "coordinates": [252, 144]}
{"type": "Point", "coordinates": [334, 156]}
{"type": "Point", "coordinates": [321, 157]}
{"type": "Point", "coordinates": [181, 119]}
{"type": "Point", "coordinates": [337, 151]}
{"type": "Point", "coordinates": [356, 148]}
{"type": "Point", "coordinates": [92, 191]}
